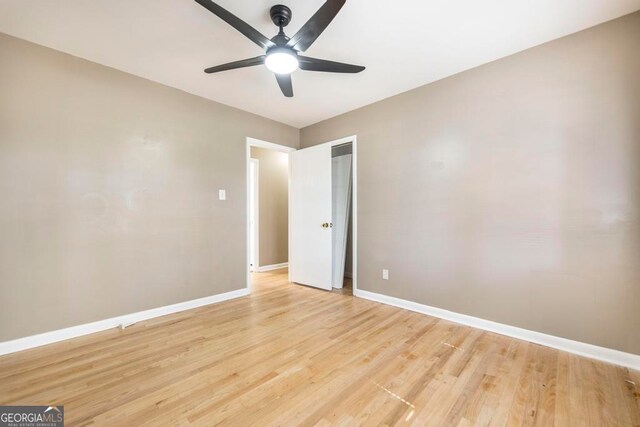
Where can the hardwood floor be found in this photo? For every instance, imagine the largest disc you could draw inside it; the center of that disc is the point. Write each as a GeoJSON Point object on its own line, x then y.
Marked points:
{"type": "Point", "coordinates": [291, 355]}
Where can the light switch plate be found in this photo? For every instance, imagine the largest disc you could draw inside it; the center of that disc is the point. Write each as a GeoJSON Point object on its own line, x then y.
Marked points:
{"type": "Point", "coordinates": [385, 274]}
{"type": "Point", "coordinates": [222, 194]}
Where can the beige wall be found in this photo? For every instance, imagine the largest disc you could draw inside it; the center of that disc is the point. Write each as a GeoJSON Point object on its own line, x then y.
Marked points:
{"type": "Point", "coordinates": [511, 192]}
{"type": "Point", "coordinates": [273, 183]}
{"type": "Point", "coordinates": [108, 192]}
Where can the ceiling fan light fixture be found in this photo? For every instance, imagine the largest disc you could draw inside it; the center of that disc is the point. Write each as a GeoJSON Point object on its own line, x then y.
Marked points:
{"type": "Point", "coordinates": [281, 61]}
{"type": "Point", "coordinates": [282, 53]}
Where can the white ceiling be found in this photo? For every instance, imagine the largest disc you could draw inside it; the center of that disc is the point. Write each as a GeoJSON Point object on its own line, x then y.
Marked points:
{"type": "Point", "coordinates": [404, 43]}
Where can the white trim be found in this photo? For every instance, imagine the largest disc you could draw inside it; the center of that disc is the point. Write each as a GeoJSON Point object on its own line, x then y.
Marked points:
{"type": "Point", "coordinates": [354, 214]}
{"type": "Point", "coordinates": [582, 349]}
{"type": "Point", "coordinates": [254, 142]}
{"type": "Point", "coordinates": [271, 267]}
{"type": "Point", "coordinates": [256, 214]}
{"type": "Point", "coordinates": [101, 325]}
{"type": "Point", "coordinates": [289, 217]}
{"type": "Point", "coordinates": [269, 145]}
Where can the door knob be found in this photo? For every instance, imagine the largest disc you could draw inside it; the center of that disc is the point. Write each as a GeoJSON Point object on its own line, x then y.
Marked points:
{"type": "Point", "coordinates": [327, 225]}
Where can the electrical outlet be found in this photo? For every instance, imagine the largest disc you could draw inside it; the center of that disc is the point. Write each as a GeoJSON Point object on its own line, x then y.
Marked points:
{"type": "Point", "coordinates": [385, 274]}
{"type": "Point", "coordinates": [222, 194]}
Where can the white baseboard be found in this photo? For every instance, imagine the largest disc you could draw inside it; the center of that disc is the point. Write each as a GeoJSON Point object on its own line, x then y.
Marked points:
{"type": "Point", "coordinates": [604, 354]}
{"type": "Point", "coordinates": [264, 268]}
{"type": "Point", "coordinates": [101, 325]}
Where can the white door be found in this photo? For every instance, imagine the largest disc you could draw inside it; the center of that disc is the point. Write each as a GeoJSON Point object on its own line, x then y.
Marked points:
{"type": "Point", "coordinates": [310, 258]}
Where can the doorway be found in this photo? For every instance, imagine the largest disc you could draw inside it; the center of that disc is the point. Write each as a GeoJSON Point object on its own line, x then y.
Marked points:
{"type": "Point", "coordinates": [267, 207]}
{"type": "Point", "coordinates": [341, 178]}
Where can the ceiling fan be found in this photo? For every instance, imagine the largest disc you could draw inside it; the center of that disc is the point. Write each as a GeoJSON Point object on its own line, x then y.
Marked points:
{"type": "Point", "coordinates": [281, 52]}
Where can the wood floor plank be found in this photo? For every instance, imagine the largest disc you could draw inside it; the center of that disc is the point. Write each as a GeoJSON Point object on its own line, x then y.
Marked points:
{"type": "Point", "coordinates": [291, 355]}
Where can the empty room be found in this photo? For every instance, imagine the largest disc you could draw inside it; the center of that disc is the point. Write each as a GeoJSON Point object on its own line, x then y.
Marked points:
{"type": "Point", "coordinates": [319, 213]}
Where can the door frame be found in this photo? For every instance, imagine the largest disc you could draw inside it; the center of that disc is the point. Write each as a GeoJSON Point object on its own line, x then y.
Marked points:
{"type": "Point", "coordinates": [353, 139]}
{"type": "Point", "coordinates": [256, 214]}
{"type": "Point", "coordinates": [254, 142]}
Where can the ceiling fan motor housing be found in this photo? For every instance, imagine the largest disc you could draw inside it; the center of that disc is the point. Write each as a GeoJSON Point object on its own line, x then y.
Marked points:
{"type": "Point", "coordinates": [280, 15]}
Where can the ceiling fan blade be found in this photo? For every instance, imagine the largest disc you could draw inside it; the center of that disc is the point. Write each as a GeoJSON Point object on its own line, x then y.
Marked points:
{"type": "Point", "coordinates": [316, 25]}
{"type": "Point", "coordinates": [237, 23]}
{"type": "Point", "coordinates": [250, 62]}
{"type": "Point", "coordinates": [315, 64]}
{"type": "Point", "coordinates": [284, 81]}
